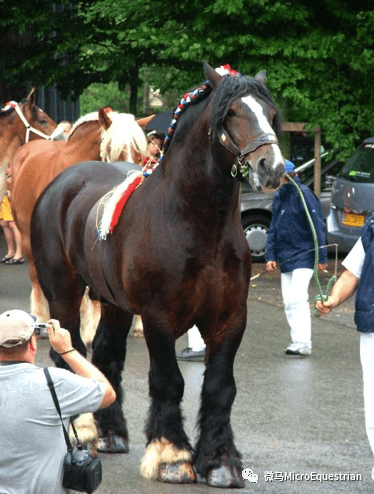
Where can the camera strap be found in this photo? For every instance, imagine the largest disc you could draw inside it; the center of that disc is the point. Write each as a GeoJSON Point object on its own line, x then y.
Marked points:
{"type": "Point", "coordinates": [57, 405]}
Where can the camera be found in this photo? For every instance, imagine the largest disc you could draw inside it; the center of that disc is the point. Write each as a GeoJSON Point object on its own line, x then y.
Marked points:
{"type": "Point", "coordinates": [40, 329]}
{"type": "Point", "coordinates": [82, 473]}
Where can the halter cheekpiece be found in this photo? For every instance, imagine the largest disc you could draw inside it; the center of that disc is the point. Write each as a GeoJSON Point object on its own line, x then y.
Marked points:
{"type": "Point", "coordinates": [29, 128]}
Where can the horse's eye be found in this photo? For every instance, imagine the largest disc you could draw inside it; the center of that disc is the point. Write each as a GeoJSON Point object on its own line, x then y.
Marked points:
{"type": "Point", "coordinates": [231, 113]}
{"type": "Point", "coordinates": [43, 122]}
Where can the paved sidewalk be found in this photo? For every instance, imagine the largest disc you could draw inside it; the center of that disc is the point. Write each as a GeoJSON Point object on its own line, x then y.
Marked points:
{"type": "Point", "coordinates": [296, 420]}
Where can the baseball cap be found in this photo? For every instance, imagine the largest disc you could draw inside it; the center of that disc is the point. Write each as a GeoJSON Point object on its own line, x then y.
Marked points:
{"type": "Point", "coordinates": [154, 133]}
{"type": "Point", "coordinates": [290, 167]}
{"type": "Point", "coordinates": [16, 327]}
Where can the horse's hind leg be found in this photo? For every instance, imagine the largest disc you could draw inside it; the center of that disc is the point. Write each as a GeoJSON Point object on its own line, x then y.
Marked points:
{"type": "Point", "coordinates": [109, 353]}
{"type": "Point", "coordinates": [169, 455]}
{"type": "Point", "coordinates": [217, 459]}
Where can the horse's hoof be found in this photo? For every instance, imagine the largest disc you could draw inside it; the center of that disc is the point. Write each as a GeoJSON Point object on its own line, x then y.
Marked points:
{"type": "Point", "coordinates": [180, 472]}
{"type": "Point", "coordinates": [225, 477]}
{"type": "Point", "coordinates": [113, 444]}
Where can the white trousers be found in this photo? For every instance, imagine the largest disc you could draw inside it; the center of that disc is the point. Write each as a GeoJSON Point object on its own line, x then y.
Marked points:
{"type": "Point", "coordinates": [295, 295]}
{"type": "Point", "coordinates": [367, 362]}
{"type": "Point", "coordinates": [195, 340]}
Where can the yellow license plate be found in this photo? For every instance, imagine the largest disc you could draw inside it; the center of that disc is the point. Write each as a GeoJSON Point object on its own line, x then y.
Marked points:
{"type": "Point", "coordinates": [356, 220]}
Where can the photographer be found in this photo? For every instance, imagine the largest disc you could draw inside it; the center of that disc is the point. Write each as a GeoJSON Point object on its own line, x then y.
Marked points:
{"type": "Point", "coordinates": [32, 442]}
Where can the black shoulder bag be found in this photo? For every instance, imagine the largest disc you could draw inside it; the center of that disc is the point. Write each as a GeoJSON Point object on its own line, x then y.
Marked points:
{"type": "Point", "coordinates": [81, 472]}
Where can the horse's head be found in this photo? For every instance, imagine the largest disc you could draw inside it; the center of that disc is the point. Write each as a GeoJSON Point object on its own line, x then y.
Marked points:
{"type": "Point", "coordinates": [244, 117]}
{"type": "Point", "coordinates": [122, 138]}
{"type": "Point", "coordinates": [36, 118]}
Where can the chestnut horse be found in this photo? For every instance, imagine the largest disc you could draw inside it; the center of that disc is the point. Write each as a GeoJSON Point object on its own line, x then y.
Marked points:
{"type": "Point", "coordinates": [20, 123]}
{"type": "Point", "coordinates": [96, 136]}
{"type": "Point", "coordinates": [178, 257]}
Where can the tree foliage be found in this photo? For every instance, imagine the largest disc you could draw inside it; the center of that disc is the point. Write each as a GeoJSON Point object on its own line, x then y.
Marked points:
{"type": "Point", "coordinates": [318, 55]}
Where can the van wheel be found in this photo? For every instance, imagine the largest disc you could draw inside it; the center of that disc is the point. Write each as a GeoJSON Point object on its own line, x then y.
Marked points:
{"type": "Point", "coordinates": [256, 228]}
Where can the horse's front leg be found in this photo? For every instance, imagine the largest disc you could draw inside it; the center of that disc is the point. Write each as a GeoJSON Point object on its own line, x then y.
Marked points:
{"type": "Point", "coordinates": [168, 456]}
{"type": "Point", "coordinates": [109, 353]}
{"type": "Point", "coordinates": [217, 460]}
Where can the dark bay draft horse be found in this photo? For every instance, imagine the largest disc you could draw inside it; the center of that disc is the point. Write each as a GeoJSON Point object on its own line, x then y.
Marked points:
{"type": "Point", "coordinates": [177, 257]}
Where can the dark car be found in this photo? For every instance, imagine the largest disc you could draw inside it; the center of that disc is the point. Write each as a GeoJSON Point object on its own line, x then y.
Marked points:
{"type": "Point", "coordinates": [256, 206]}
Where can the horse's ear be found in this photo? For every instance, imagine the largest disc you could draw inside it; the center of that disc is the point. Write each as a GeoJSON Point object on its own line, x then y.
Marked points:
{"type": "Point", "coordinates": [104, 119]}
{"type": "Point", "coordinates": [261, 77]}
{"type": "Point", "coordinates": [31, 98]}
{"type": "Point", "coordinates": [211, 75]}
{"type": "Point", "coordinates": [143, 122]}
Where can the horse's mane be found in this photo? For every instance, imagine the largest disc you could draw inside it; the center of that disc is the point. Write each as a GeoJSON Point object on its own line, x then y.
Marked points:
{"type": "Point", "coordinates": [123, 133]}
{"type": "Point", "coordinates": [233, 87]}
{"type": "Point", "coordinates": [90, 117]}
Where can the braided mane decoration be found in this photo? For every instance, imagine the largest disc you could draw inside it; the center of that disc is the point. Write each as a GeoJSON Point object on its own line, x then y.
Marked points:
{"type": "Point", "coordinates": [192, 97]}
{"type": "Point", "coordinates": [234, 85]}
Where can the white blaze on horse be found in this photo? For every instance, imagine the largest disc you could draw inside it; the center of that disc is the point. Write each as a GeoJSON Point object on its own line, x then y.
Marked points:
{"type": "Point", "coordinates": [176, 255]}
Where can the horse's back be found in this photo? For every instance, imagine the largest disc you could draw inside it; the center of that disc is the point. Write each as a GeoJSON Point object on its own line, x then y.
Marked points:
{"type": "Point", "coordinates": [62, 211]}
{"type": "Point", "coordinates": [76, 190]}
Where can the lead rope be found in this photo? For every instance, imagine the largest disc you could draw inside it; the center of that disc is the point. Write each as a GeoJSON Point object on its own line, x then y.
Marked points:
{"type": "Point", "coordinates": [320, 296]}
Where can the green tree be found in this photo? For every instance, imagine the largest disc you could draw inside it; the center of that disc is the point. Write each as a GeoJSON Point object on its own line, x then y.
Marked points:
{"type": "Point", "coordinates": [318, 55]}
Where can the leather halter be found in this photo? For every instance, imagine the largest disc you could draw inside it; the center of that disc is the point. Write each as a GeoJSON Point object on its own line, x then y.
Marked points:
{"type": "Point", "coordinates": [261, 140]}
{"type": "Point", "coordinates": [29, 127]}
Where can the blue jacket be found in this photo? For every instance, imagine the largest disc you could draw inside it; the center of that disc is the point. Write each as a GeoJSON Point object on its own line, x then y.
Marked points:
{"type": "Point", "coordinates": [364, 315]}
{"type": "Point", "coordinates": [290, 239]}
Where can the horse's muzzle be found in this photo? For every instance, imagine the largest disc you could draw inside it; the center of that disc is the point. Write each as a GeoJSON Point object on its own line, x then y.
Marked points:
{"type": "Point", "coordinates": [270, 172]}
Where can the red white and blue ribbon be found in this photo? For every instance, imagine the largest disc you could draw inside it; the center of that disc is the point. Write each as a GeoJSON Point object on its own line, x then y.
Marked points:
{"type": "Point", "coordinates": [115, 201]}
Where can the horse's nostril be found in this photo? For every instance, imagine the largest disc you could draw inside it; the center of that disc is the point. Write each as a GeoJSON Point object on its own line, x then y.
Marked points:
{"type": "Point", "coordinates": [270, 174]}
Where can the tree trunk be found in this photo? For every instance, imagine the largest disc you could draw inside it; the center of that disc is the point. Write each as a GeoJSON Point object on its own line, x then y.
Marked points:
{"type": "Point", "coordinates": [134, 82]}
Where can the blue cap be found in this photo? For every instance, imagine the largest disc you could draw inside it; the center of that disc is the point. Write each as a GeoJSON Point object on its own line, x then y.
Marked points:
{"type": "Point", "coordinates": [290, 167]}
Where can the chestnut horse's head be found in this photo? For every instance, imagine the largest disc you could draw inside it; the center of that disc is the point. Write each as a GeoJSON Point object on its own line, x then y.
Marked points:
{"type": "Point", "coordinates": [246, 121]}
{"type": "Point", "coordinates": [19, 124]}
{"type": "Point", "coordinates": [122, 137]}
{"type": "Point", "coordinates": [37, 124]}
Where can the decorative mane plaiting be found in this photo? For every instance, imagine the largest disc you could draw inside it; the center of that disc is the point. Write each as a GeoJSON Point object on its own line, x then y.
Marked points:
{"type": "Point", "coordinates": [192, 97]}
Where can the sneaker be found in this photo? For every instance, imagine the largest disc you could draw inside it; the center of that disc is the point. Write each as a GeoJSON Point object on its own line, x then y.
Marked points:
{"type": "Point", "coordinates": [297, 349]}
{"type": "Point", "coordinates": [192, 356]}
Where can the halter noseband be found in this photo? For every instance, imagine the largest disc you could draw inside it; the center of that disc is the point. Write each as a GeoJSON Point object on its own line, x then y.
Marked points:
{"type": "Point", "coordinates": [226, 141]}
{"type": "Point", "coordinates": [261, 140]}
{"type": "Point", "coordinates": [29, 128]}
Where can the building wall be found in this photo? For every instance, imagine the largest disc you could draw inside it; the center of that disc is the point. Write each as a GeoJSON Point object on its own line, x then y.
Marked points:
{"type": "Point", "coordinates": [51, 102]}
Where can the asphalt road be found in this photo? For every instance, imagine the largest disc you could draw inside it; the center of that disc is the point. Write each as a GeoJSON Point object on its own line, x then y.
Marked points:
{"type": "Point", "coordinates": [298, 422]}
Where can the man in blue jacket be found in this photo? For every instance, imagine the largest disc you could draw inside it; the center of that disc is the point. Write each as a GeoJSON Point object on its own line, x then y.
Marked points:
{"type": "Point", "coordinates": [290, 244]}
